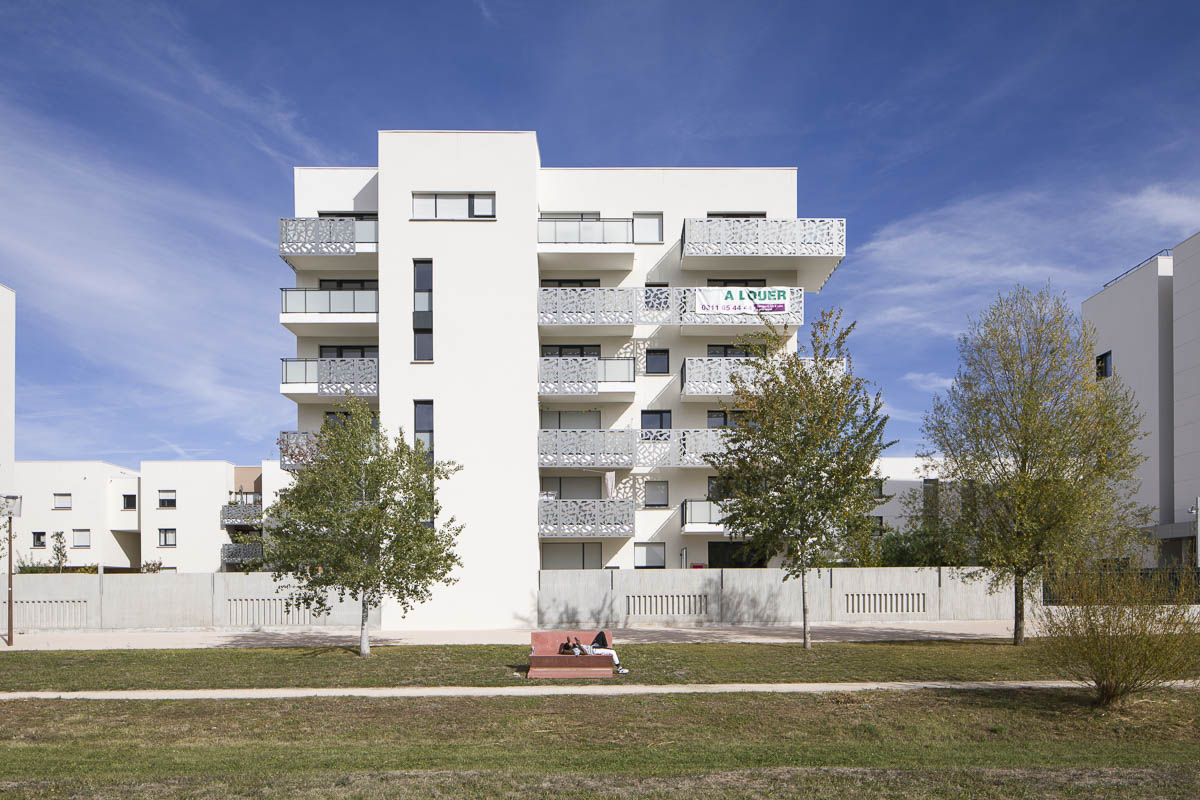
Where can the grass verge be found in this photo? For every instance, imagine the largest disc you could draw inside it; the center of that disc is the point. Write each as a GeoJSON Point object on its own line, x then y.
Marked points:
{"type": "Point", "coordinates": [897, 744]}
{"type": "Point", "coordinates": [485, 665]}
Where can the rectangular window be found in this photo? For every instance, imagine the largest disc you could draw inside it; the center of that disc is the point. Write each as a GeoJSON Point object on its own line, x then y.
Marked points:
{"type": "Point", "coordinates": [737, 215]}
{"type": "Point", "coordinates": [726, 351]}
{"type": "Point", "coordinates": [345, 283]}
{"type": "Point", "coordinates": [129, 502]}
{"type": "Point", "coordinates": [454, 205]}
{"type": "Point", "coordinates": [570, 283]}
{"type": "Point", "coordinates": [166, 498]}
{"type": "Point", "coordinates": [589, 487]}
{"type": "Point", "coordinates": [585, 420]}
{"type": "Point", "coordinates": [737, 282]}
{"type": "Point", "coordinates": [658, 362]}
{"type": "Point", "coordinates": [572, 555]}
{"type": "Point", "coordinates": [877, 487]}
{"type": "Point", "coordinates": [650, 555]}
{"type": "Point", "coordinates": [81, 537]}
{"type": "Point", "coordinates": [423, 423]}
{"type": "Point", "coordinates": [569, 350]}
{"type": "Point", "coordinates": [423, 310]}
{"type": "Point", "coordinates": [877, 526]}
{"type": "Point", "coordinates": [166, 537]}
{"type": "Point", "coordinates": [655, 425]}
{"type": "Point", "coordinates": [723, 419]}
{"type": "Point", "coordinates": [657, 296]}
{"type": "Point", "coordinates": [1104, 365]}
{"type": "Point", "coordinates": [39, 539]}
{"type": "Point", "coordinates": [647, 228]}
{"type": "Point", "coordinates": [62, 502]}
{"type": "Point", "coordinates": [348, 351]}
{"type": "Point", "coordinates": [657, 494]}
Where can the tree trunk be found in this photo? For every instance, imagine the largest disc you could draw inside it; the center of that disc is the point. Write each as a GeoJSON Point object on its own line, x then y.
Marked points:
{"type": "Point", "coordinates": [1019, 610]}
{"type": "Point", "coordinates": [364, 644]}
{"type": "Point", "coordinates": [804, 606]}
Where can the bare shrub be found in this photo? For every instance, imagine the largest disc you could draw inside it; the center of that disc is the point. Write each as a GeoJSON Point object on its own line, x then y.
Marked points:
{"type": "Point", "coordinates": [1122, 631]}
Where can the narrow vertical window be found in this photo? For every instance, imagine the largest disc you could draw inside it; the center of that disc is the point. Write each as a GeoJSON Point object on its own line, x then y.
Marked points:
{"type": "Point", "coordinates": [1104, 365]}
{"type": "Point", "coordinates": [423, 423]}
{"type": "Point", "coordinates": [423, 310]}
{"type": "Point", "coordinates": [647, 228]}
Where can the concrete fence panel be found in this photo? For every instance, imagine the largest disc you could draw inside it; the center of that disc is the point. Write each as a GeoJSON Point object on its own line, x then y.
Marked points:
{"type": "Point", "coordinates": [676, 596]}
{"type": "Point", "coordinates": [763, 597]}
{"type": "Point", "coordinates": [162, 600]}
{"type": "Point", "coordinates": [885, 594]}
{"type": "Point", "coordinates": [576, 597]}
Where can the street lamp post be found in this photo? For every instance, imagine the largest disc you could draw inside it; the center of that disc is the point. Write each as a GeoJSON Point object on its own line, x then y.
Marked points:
{"type": "Point", "coordinates": [12, 508]}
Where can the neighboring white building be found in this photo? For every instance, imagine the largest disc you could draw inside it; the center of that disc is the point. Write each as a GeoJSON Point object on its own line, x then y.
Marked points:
{"type": "Point", "coordinates": [1147, 323]}
{"type": "Point", "coordinates": [179, 513]}
{"type": "Point", "coordinates": [549, 329]}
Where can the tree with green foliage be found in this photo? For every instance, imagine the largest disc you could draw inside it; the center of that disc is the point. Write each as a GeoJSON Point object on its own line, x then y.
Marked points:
{"type": "Point", "coordinates": [360, 519]}
{"type": "Point", "coordinates": [1048, 449]}
{"type": "Point", "coordinates": [58, 550]}
{"type": "Point", "coordinates": [797, 468]}
{"type": "Point", "coordinates": [936, 531]}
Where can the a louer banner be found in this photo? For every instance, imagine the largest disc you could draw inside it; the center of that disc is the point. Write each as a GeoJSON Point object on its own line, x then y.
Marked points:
{"type": "Point", "coordinates": [742, 300]}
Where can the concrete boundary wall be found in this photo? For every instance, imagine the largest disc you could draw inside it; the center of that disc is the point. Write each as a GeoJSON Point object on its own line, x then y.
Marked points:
{"type": "Point", "coordinates": [164, 600]}
{"type": "Point", "coordinates": [763, 597]}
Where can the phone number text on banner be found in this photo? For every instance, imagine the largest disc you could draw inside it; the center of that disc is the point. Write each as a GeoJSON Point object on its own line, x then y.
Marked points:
{"type": "Point", "coordinates": [742, 300]}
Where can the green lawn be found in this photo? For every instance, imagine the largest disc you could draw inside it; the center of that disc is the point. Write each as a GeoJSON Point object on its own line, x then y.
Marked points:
{"type": "Point", "coordinates": [469, 665]}
{"type": "Point", "coordinates": [895, 744]}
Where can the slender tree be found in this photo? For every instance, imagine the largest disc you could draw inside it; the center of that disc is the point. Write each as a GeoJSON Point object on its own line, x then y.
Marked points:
{"type": "Point", "coordinates": [797, 469]}
{"type": "Point", "coordinates": [1047, 447]}
{"type": "Point", "coordinates": [359, 519]}
{"type": "Point", "coordinates": [59, 550]}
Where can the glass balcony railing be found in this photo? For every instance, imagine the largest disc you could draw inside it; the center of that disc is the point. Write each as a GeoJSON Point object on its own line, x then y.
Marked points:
{"type": "Point", "coordinates": [702, 512]}
{"type": "Point", "coordinates": [585, 231]}
{"type": "Point", "coordinates": [330, 301]}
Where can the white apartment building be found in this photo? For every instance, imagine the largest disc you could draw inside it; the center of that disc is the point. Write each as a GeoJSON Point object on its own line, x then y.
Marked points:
{"type": "Point", "coordinates": [183, 514]}
{"type": "Point", "coordinates": [8, 383]}
{"type": "Point", "coordinates": [1147, 324]}
{"type": "Point", "coordinates": [566, 335]}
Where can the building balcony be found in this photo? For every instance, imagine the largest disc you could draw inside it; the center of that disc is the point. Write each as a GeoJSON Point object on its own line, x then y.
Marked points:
{"type": "Point", "coordinates": [706, 379]}
{"type": "Point", "coordinates": [677, 447]}
{"type": "Point", "coordinates": [330, 312]}
{"type": "Point", "coordinates": [241, 553]}
{"type": "Point", "coordinates": [698, 311]}
{"type": "Point", "coordinates": [587, 244]}
{"type": "Point", "coordinates": [567, 378]}
{"type": "Point", "coordinates": [244, 510]}
{"type": "Point", "coordinates": [329, 243]}
{"type": "Point", "coordinates": [606, 449]}
{"type": "Point", "coordinates": [321, 380]}
{"type": "Point", "coordinates": [811, 247]}
{"type": "Point", "coordinates": [296, 448]}
{"type": "Point", "coordinates": [702, 517]}
{"type": "Point", "coordinates": [585, 519]}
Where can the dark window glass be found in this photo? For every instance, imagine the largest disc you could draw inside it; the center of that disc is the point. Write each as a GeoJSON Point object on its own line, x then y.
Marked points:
{"type": "Point", "coordinates": [1104, 365]}
{"type": "Point", "coordinates": [565, 350]}
{"type": "Point", "coordinates": [723, 419]}
{"type": "Point", "coordinates": [726, 351]}
{"type": "Point", "coordinates": [39, 538]}
{"type": "Point", "coordinates": [129, 501]}
{"type": "Point", "coordinates": [423, 276]}
{"type": "Point", "coordinates": [737, 282]}
{"type": "Point", "coordinates": [655, 425]}
{"type": "Point", "coordinates": [658, 362]}
{"type": "Point", "coordinates": [569, 283]}
{"type": "Point", "coordinates": [423, 345]}
{"type": "Point", "coordinates": [349, 351]}
{"type": "Point", "coordinates": [339, 283]}
{"type": "Point", "coordinates": [737, 215]}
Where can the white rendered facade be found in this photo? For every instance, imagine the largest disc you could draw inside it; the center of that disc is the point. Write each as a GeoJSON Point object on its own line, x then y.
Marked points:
{"type": "Point", "coordinates": [1147, 325]}
{"type": "Point", "coordinates": [547, 341]}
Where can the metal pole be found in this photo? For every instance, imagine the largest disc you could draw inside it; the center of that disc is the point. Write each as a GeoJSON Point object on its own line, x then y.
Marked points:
{"type": "Point", "coordinates": [10, 593]}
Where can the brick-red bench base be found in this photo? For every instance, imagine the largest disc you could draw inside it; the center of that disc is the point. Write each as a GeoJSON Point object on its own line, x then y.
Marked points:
{"type": "Point", "coordinates": [545, 662]}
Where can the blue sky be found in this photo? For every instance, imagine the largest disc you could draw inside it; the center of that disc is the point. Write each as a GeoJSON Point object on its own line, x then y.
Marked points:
{"type": "Point", "coordinates": [146, 151]}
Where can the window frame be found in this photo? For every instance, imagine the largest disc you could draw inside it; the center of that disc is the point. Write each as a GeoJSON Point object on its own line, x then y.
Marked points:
{"type": "Point", "coordinates": [665, 352]}
{"type": "Point", "coordinates": [75, 538]}
{"type": "Point", "coordinates": [666, 503]}
{"type": "Point", "coordinates": [34, 540]}
{"type": "Point", "coordinates": [644, 547]}
{"type": "Point", "coordinates": [54, 502]}
{"type": "Point", "coordinates": [471, 197]}
{"type": "Point", "coordinates": [168, 503]}
{"type": "Point", "coordinates": [646, 215]}
{"type": "Point", "coordinates": [162, 537]}
{"type": "Point", "coordinates": [125, 506]}
{"type": "Point", "coordinates": [1104, 365]}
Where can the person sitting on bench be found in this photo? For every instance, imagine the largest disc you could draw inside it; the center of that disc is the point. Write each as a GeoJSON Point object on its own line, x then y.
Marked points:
{"type": "Point", "coordinates": [599, 647]}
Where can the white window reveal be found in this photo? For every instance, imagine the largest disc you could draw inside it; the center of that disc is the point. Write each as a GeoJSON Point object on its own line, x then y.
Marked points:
{"type": "Point", "coordinates": [81, 537]}
{"type": "Point", "coordinates": [647, 228]}
{"type": "Point", "coordinates": [454, 205]}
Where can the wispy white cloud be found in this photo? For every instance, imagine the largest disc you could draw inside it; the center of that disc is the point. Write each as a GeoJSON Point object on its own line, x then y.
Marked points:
{"type": "Point", "coordinates": [928, 381]}
{"type": "Point", "coordinates": [486, 11]}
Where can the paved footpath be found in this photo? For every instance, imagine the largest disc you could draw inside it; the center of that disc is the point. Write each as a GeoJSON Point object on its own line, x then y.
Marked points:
{"type": "Point", "coordinates": [545, 691]}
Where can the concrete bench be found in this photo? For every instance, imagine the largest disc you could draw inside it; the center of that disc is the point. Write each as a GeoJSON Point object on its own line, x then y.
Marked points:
{"type": "Point", "coordinates": [545, 662]}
